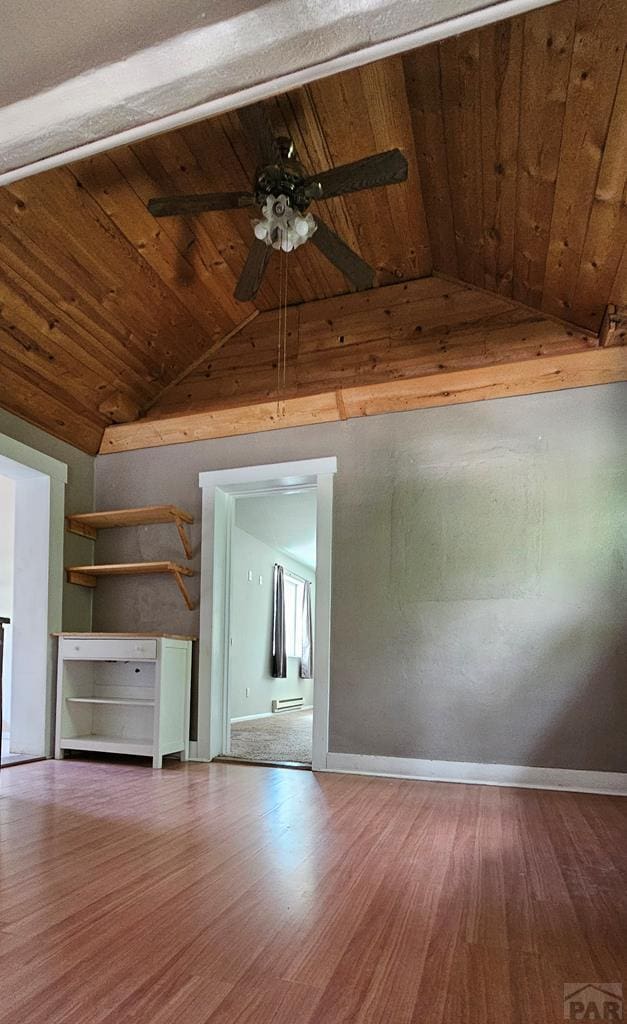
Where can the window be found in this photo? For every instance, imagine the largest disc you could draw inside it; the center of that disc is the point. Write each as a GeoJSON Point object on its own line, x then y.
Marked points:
{"type": "Point", "coordinates": [293, 616]}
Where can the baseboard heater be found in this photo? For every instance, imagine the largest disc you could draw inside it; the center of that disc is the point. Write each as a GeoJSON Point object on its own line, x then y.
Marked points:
{"type": "Point", "coordinates": [287, 703]}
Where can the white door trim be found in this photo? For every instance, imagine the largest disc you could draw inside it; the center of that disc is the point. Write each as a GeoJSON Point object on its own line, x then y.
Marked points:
{"type": "Point", "coordinates": [219, 487]}
{"type": "Point", "coordinates": [283, 473]}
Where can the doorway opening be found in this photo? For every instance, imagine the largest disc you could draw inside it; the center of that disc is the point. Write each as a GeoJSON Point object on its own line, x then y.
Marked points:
{"type": "Point", "coordinates": [225, 671]}
{"type": "Point", "coordinates": [270, 686]}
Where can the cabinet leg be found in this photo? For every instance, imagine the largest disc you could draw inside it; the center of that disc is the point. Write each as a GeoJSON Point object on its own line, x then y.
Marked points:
{"type": "Point", "coordinates": [184, 754]}
{"type": "Point", "coordinates": [157, 761]}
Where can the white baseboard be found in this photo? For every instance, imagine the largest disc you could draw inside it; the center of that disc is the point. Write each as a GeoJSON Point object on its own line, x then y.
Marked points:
{"type": "Point", "coordinates": [271, 714]}
{"type": "Point", "coordinates": [249, 718]}
{"type": "Point", "coordinates": [572, 780]}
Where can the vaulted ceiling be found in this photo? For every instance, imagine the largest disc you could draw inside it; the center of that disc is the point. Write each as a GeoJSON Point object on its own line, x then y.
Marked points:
{"type": "Point", "coordinates": [516, 137]}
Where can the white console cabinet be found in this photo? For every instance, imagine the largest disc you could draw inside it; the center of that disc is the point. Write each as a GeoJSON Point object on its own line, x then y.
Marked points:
{"type": "Point", "coordinates": [124, 694]}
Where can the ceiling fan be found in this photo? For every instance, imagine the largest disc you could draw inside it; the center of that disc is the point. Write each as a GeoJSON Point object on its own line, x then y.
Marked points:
{"type": "Point", "coordinates": [284, 191]}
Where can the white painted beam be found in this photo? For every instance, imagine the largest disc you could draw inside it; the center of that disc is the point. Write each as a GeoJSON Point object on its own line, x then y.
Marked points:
{"type": "Point", "coordinates": [253, 51]}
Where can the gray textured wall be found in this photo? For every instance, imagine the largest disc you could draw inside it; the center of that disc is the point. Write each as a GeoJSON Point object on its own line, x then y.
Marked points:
{"type": "Point", "coordinates": [478, 573]}
{"type": "Point", "coordinates": [79, 496]}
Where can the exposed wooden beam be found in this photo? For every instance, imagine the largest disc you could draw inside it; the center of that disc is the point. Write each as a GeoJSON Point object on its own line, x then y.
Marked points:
{"type": "Point", "coordinates": [528, 376]}
{"type": "Point", "coordinates": [437, 336]}
{"type": "Point", "coordinates": [120, 407]}
{"type": "Point", "coordinates": [251, 419]}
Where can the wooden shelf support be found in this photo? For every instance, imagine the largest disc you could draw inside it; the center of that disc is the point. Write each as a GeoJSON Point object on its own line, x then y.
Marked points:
{"type": "Point", "coordinates": [185, 541]}
{"type": "Point", "coordinates": [184, 592]}
{"type": "Point", "coordinates": [87, 524]}
{"type": "Point", "coordinates": [87, 575]}
{"type": "Point", "coordinates": [82, 579]}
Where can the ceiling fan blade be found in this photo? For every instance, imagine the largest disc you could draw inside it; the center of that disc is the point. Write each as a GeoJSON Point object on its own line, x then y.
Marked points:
{"type": "Point", "coordinates": [171, 206]}
{"type": "Point", "coordinates": [252, 274]}
{"type": "Point", "coordinates": [387, 168]}
{"type": "Point", "coordinates": [256, 124]}
{"type": "Point", "coordinates": [359, 273]}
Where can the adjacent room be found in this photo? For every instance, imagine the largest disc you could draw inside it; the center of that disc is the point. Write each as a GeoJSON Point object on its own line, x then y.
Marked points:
{"type": "Point", "coordinates": [313, 532]}
{"type": "Point", "coordinates": [272, 597]}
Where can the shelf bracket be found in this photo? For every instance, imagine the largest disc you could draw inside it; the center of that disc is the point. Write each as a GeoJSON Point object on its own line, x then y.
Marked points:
{"type": "Point", "coordinates": [81, 529]}
{"type": "Point", "coordinates": [83, 579]}
{"type": "Point", "coordinates": [185, 541]}
{"type": "Point", "coordinates": [184, 592]}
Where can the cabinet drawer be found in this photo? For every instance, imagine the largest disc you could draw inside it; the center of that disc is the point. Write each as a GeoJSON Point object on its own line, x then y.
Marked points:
{"type": "Point", "coordinates": [97, 649]}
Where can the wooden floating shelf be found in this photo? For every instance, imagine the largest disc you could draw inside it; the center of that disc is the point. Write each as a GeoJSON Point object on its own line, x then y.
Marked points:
{"type": "Point", "coordinates": [87, 575]}
{"type": "Point", "coordinates": [87, 524]}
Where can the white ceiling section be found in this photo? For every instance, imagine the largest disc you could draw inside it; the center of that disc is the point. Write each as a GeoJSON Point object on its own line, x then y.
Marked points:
{"type": "Point", "coordinates": [80, 76]}
{"type": "Point", "coordinates": [286, 522]}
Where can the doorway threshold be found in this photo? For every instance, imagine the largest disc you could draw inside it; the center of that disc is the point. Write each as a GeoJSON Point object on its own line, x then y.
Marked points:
{"type": "Point", "coordinates": [10, 760]}
{"type": "Point", "coordinates": [297, 765]}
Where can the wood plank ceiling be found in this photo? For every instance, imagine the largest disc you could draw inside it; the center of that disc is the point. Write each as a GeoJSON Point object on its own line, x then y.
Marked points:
{"type": "Point", "coordinates": [516, 137]}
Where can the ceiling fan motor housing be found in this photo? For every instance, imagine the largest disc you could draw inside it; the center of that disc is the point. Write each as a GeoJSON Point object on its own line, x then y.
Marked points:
{"type": "Point", "coordinates": [286, 178]}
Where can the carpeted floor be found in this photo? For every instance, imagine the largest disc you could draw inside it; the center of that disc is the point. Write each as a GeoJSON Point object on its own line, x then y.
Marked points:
{"type": "Point", "coordinates": [282, 737]}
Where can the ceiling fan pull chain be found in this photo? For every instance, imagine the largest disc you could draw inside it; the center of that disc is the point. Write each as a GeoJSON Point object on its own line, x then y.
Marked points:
{"type": "Point", "coordinates": [285, 328]}
{"type": "Point", "coordinates": [278, 354]}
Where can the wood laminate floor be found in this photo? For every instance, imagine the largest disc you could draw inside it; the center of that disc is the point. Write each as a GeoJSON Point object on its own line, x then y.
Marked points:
{"type": "Point", "coordinates": [227, 894]}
